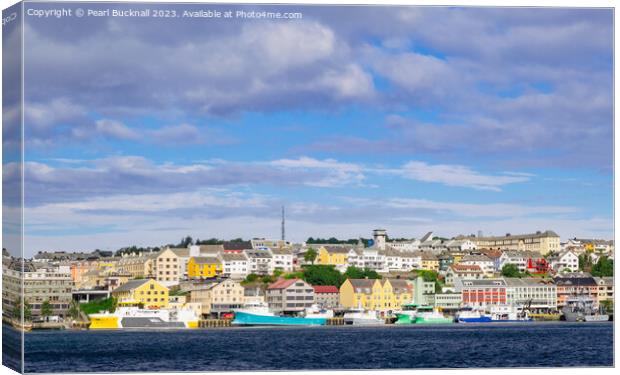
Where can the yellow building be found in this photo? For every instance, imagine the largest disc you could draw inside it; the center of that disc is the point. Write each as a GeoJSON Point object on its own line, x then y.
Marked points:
{"type": "Point", "coordinates": [542, 242]}
{"type": "Point", "coordinates": [375, 294]}
{"type": "Point", "coordinates": [333, 255]}
{"type": "Point", "coordinates": [430, 262]}
{"type": "Point", "coordinates": [217, 298]}
{"type": "Point", "coordinates": [148, 292]}
{"type": "Point", "coordinates": [204, 267]}
{"type": "Point", "coordinates": [141, 266]}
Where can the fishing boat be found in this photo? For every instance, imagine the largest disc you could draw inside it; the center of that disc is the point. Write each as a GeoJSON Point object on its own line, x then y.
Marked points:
{"type": "Point", "coordinates": [134, 317]}
{"type": "Point", "coordinates": [469, 315]}
{"type": "Point", "coordinates": [407, 314]}
{"type": "Point", "coordinates": [582, 309]}
{"type": "Point", "coordinates": [258, 314]}
{"type": "Point", "coordinates": [430, 315]}
{"type": "Point", "coordinates": [362, 317]}
{"type": "Point", "coordinates": [317, 311]}
{"type": "Point", "coordinates": [509, 314]}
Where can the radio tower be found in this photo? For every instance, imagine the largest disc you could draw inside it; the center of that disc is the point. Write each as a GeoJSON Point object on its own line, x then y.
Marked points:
{"type": "Point", "coordinates": [283, 233]}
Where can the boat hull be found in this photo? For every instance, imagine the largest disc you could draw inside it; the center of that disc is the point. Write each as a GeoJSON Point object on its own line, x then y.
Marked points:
{"type": "Point", "coordinates": [363, 322]}
{"type": "Point", "coordinates": [480, 319]}
{"type": "Point", "coordinates": [243, 318]}
{"type": "Point", "coordinates": [424, 320]}
{"type": "Point", "coordinates": [404, 319]}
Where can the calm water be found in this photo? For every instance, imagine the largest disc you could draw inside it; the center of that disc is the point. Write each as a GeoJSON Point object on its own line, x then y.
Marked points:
{"type": "Point", "coordinates": [516, 345]}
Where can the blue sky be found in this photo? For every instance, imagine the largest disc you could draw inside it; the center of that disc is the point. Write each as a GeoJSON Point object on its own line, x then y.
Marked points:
{"type": "Point", "coordinates": [413, 119]}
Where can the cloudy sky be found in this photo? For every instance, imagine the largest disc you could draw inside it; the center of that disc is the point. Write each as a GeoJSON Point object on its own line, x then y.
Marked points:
{"type": "Point", "coordinates": [140, 131]}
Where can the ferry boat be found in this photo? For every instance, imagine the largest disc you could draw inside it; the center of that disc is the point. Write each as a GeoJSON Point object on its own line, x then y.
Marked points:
{"type": "Point", "coordinates": [258, 314]}
{"type": "Point", "coordinates": [134, 317]}
{"type": "Point", "coordinates": [430, 315]}
{"type": "Point", "coordinates": [407, 314]}
{"type": "Point", "coordinates": [469, 315]}
{"type": "Point", "coordinates": [362, 317]}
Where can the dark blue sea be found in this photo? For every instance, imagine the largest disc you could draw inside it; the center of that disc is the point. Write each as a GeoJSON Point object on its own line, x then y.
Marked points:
{"type": "Point", "coordinates": [557, 344]}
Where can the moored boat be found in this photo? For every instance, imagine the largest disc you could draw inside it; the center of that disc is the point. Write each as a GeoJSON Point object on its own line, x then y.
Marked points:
{"type": "Point", "coordinates": [581, 308]}
{"type": "Point", "coordinates": [469, 315]}
{"type": "Point", "coordinates": [133, 317]}
{"type": "Point", "coordinates": [509, 314]}
{"type": "Point", "coordinates": [430, 315]}
{"type": "Point", "coordinates": [249, 319]}
{"type": "Point", "coordinates": [362, 317]}
{"type": "Point", "coordinates": [258, 314]}
{"type": "Point", "coordinates": [407, 314]}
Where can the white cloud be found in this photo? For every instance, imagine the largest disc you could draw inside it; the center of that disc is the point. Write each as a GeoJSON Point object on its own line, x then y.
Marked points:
{"type": "Point", "coordinates": [115, 129]}
{"type": "Point", "coordinates": [457, 175]}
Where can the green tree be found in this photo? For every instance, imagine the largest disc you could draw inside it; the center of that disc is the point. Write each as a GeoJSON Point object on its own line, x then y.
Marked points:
{"type": "Point", "coordinates": [310, 255]}
{"type": "Point", "coordinates": [46, 309]}
{"type": "Point", "coordinates": [74, 309]}
{"type": "Point", "coordinates": [251, 278]}
{"type": "Point", "coordinates": [322, 275]}
{"type": "Point", "coordinates": [358, 273]}
{"type": "Point", "coordinates": [510, 270]}
{"type": "Point", "coordinates": [17, 310]}
{"type": "Point", "coordinates": [604, 267]}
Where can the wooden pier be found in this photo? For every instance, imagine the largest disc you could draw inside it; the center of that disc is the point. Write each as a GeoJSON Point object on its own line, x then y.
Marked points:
{"type": "Point", "coordinates": [214, 323]}
{"type": "Point", "coordinates": [335, 322]}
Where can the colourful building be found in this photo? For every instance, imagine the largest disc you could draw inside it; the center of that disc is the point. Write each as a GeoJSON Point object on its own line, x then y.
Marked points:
{"type": "Point", "coordinates": [147, 292]}
{"type": "Point", "coordinates": [333, 255]}
{"type": "Point", "coordinates": [374, 294]}
{"type": "Point", "coordinates": [204, 267]}
{"type": "Point", "coordinates": [430, 262]}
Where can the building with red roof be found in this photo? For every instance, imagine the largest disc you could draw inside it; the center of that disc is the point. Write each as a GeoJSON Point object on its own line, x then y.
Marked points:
{"type": "Point", "coordinates": [289, 296]}
{"type": "Point", "coordinates": [327, 296]}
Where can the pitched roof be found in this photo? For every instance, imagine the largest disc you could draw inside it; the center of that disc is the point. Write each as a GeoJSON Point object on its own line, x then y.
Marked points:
{"type": "Point", "coordinates": [362, 283]}
{"type": "Point", "coordinates": [476, 258]}
{"type": "Point", "coordinates": [325, 289]}
{"type": "Point", "coordinates": [130, 285]}
{"type": "Point", "coordinates": [466, 268]}
{"type": "Point", "coordinates": [281, 251]}
{"type": "Point", "coordinates": [244, 245]}
{"type": "Point", "coordinates": [400, 285]}
{"type": "Point", "coordinates": [282, 283]}
{"type": "Point", "coordinates": [337, 249]}
{"type": "Point", "coordinates": [426, 237]}
{"type": "Point", "coordinates": [211, 249]}
{"type": "Point", "coordinates": [233, 257]}
{"type": "Point", "coordinates": [206, 260]}
{"type": "Point", "coordinates": [180, 252]}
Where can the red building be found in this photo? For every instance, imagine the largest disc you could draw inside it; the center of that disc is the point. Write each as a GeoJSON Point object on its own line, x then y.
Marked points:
{"type": "Point", "coordinates": [481, 293]}
{"type": "Point", "coordinates": [537, 265]}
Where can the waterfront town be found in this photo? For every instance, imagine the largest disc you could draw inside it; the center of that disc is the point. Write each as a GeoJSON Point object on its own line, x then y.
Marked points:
{"type": "Point", "coordinates": [535, 273]}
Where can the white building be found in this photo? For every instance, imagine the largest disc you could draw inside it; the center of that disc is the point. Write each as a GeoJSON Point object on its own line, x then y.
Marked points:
{"type": "Point", "coordinates": [539, 294]}
{"type": "Point", "coordinates": [260, 262]}
{"type": "Point", "coordinates": [235, 266]}
{"type": "Point", "coordinates": [566, 260]}
{"type": "Point", "coordinates": [282, 259]}
{"type": "Point", "coordinates": [463, 271]}
{"type": "Point", "coordinates": [485, 263]}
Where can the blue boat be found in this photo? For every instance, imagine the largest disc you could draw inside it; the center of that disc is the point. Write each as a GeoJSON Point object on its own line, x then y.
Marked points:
{"type": "Point", "coordinates": [248, 319]}
{"type": "Point", "coordinates": [472, 316]}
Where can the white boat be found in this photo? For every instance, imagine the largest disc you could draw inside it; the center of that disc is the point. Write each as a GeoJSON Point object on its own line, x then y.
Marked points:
{"type": "Point", "coordinates": [316, 311]}
{"type": "Point", "coordinates": [255, 308]}
{"type": "Point", "coordinates": [362, 317]}
{"type": "Point", "coordinates": [509, 313]}
{"type": "Point", "coordinates": [470, 315]}
{"type": "Point", "coordinates": [133, 317]}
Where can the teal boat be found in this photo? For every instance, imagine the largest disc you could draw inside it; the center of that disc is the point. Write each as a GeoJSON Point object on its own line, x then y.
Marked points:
{"type": "Point", "coordinates": [248, 319]}
{"type": "Point", "coordinates": [407, 315]}
{"type": "Point", "coordinates": [428, 315]}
